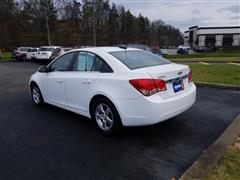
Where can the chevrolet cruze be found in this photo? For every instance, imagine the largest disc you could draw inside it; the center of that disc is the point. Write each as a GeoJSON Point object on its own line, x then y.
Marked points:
{"type": "Point", "coordinates": [115, 86]}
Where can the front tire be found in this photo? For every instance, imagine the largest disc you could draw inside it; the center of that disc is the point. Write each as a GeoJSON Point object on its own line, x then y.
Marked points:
{"type": "Point", "coordinates": [23, 58]}
{"type": "Point", "coordinates": [36, 95]}
{"type": "Point", "coordinates": [106, 116]}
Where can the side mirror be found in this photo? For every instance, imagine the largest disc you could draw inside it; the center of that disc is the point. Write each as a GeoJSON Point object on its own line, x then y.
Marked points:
{"type": "Point", "coordinates": [44, 69]}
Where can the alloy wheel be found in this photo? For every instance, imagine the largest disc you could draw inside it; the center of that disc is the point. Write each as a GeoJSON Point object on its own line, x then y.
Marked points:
{"type": "Point", "coordinates": [104, 116]}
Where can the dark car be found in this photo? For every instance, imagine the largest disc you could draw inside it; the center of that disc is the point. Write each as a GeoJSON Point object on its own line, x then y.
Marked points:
{"type": "Point", "coordinates": [20, 53]}
{"type": "Point", "coordinates": [182, 51]}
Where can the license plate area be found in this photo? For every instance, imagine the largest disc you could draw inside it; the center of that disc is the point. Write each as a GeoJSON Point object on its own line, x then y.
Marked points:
{"type": "Point", "coordinates": [177, 85]}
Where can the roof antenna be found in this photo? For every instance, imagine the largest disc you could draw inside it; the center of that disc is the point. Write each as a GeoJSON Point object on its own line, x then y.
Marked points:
{"type": "Point", "coordinates": [123, 46]}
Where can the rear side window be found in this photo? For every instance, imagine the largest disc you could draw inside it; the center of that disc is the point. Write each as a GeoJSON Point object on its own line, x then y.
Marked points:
{"type": "Point", "coordinates": [139, 59]}
{"type": "Point", "coordinates": [90, 62]}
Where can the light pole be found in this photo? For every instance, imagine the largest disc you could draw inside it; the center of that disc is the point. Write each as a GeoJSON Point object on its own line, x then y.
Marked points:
{"type": "Point", "coordinates": [48, 33]}
{"type": "Point", "coordinates": [94, 24]}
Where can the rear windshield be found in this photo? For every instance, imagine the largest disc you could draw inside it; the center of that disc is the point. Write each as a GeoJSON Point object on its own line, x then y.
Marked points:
{"type": "Point", "coordinates": [46, 49]}
{"type": "Point", "coordinates": [139, 59]}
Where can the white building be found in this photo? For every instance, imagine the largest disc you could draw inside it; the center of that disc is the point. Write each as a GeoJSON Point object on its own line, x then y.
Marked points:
{"type": "Point", "coordinates": [225, 37]}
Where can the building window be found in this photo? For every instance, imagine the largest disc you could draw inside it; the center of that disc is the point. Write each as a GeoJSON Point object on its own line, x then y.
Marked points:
{"type": "Point", "coordinates": [210, 41]}
{"type": "Point", "coordinates": [227, 40]}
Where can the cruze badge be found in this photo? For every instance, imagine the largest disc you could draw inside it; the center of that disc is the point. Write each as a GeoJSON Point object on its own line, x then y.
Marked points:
{"type": "Point", "coordinates": [179, 73]}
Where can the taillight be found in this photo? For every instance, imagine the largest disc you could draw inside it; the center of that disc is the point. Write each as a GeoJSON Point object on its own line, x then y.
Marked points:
{"type": "Point", "coordinates": [190, 76]}
{"type": "Point", "coordinates": [17, 52]}
{"type": "Point", "coordinates": [148, 87]}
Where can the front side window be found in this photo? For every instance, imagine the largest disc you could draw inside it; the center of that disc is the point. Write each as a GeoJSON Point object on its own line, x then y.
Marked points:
{"type": "Point", "coordinates": [135, 59]}
{"type": "Point", "coordinates": [62, 63]}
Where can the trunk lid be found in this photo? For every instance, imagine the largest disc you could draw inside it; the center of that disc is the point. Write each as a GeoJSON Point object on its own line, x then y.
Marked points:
{"type": "Point", "coordinates": [173, 74]}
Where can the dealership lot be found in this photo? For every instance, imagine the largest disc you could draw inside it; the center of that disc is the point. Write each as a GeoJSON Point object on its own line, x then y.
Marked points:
{"type": "Point", "coordinates": [51, 143]}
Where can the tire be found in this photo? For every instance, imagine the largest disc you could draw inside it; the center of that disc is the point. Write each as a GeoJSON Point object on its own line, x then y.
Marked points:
{"type": "Point", "coordinates": [106, 116]}
{"type": "Point", "coordinates": [23, 58]}
{"type": "Point", "coordinates": [36, 95]}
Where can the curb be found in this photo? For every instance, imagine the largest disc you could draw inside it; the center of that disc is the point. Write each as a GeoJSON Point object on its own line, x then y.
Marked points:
{"type": "Point", "coordinates": [221, 86]}
{"type": "Point", "coordinates": [206, 160]}
{"type": "Point", "coordinates": [211, 62]}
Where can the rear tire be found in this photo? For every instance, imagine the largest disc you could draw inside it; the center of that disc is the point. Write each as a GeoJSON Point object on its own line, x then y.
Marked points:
{"type": "Point", "coordinates": [23, 58]}
{"type": "Point", "coordinates": [106, 116]}
{"type": "Point", "coordinates": [36, 95]}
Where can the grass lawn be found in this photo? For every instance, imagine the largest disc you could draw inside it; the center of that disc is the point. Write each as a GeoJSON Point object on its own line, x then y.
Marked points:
{"type": "Point", "coordinates": [6, 56]}
{"type": "Point", "coordinates": [217, 54]}
{"type": "Point", "coordinates": [228, 165]}
{"type": "Point", "coordinates": [208, 59]}
{"type": "Point", "coordinates": [216, 73]}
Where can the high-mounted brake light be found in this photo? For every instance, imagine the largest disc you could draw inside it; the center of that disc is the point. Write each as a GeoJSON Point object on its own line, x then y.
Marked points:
{"type": "Point", "coordinates": [148, 87]}
{"type": "Point", "coordinates": [190, 76]}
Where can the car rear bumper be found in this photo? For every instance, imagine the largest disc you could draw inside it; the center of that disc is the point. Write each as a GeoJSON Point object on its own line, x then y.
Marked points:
{"type": "Point", "coordinates": [152, 110]}
{"type": "Point", "coordinates": [42, 58]}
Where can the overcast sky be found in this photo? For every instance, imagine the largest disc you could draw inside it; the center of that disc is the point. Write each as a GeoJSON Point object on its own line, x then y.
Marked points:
{"type": "Point", "coordinates": [185, 13]}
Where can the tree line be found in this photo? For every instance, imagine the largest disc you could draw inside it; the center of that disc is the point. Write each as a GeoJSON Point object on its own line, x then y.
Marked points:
{"type": "Point", "coordinates": [72, 22]}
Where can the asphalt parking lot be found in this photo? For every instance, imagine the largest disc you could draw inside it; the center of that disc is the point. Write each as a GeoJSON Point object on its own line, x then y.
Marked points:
{"type": "Point", "coordinates": [51, 143]}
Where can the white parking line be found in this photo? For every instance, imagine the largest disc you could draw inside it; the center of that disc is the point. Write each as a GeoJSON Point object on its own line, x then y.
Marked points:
{"type": "Point", "coordinates": [234, 63]}
{"type": "Point", "coordinates": [204, 63]}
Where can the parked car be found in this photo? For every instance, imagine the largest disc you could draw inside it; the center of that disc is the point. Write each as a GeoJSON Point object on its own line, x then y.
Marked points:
{"type": "Point", "coordinates": [66, 49]}
{"type": "Point", "coordinates": [56, 52]}
{"type": "Point", "coordinates": [205, 49]}
{"type": "Point", "coordinates": [48, 53]}
{"type": "Point", "coordinates": [1, 55]}
{"type": "Point", "coordinates": [156, 50]}
{"type": "Point", "coordinates": [32, 53]}
{"type": "Point", "coordinates": [184, 47]}
{"type": "Point", "coordinates": [182, 51]}
{"type": "Point", "coordinates": [115, 86]}
{"type": "Point", "coordinates": [163, 51]}
{"type": "Point", "coordinates": [20, 53]}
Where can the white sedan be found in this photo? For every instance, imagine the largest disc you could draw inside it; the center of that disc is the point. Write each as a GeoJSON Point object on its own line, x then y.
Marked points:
{"type": "Point", "coordinates": [115, 86]}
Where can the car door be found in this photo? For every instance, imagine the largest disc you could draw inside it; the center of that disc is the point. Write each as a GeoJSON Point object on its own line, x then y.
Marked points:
{"type": "Point", "coordinates": [54, 83]}
{"type": "Point", "coordinates": [81, 81]}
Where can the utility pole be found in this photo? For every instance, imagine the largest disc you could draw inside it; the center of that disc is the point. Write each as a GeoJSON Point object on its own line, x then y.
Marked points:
{"type": "Point", "coordinates": [94, 24]}
{"type": "Point", "coordinates": [48, 33]}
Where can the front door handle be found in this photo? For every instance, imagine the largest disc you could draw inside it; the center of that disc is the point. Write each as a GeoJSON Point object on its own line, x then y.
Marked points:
{"type": "Point", "coordinates": [86, 81]}
{"type": "Point", "coordinates": [59, 81]}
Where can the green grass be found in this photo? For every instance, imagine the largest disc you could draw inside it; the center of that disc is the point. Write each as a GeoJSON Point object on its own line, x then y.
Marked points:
{"type": "Point", "coordinates": [216, 73]}
{"type": "Point", "coordinates": [208, 59]}
{"type": "Point", "coordinates": [227, 166]}
{"type": "Point", "coordinates": [219, 53]}
{"type": "Point", "coordinates": [6, 56]}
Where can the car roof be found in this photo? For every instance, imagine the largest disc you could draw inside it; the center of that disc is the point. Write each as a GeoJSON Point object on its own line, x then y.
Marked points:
{"type": "Point", "coordinates": [50, 47]}
{"type": "Point", "coordinates": [108, 49]}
